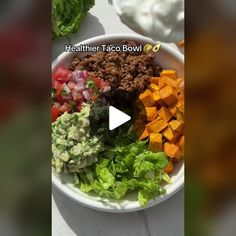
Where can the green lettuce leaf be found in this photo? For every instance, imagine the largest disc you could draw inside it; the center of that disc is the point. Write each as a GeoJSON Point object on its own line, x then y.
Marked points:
{"type": "Point", "coordinates": [67, 15]}
{"type": "Point", "coordinates": [125, 168]}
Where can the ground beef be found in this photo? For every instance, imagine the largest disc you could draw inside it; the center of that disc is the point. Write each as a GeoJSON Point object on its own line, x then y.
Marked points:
{"type": "Point", "coordinates": [127, 72]}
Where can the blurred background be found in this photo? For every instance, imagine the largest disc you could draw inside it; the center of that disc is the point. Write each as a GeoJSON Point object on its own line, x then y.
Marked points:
{"type": "Point", "coordinates": [210, 176]}
{"type": "Point", "coordinates": [25, 57]}
{"type": "Point", "coordinates": [25, 62]}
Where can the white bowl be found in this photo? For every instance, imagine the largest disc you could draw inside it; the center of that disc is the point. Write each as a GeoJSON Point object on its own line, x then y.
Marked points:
{"type": "Point", "coordinates": [167, 58]}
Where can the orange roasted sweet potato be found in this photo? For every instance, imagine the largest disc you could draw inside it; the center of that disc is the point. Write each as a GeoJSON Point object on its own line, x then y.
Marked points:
{"type": "Point", "coordinates": [172, 109]}
{"type": "Point", "coordinates": [169, 134]}
{"type": "Point", "coordinates": [154, 80]}
{"type": "Point", "coordinates": [164, 113]}
{"type": "Point", "coordinates": [143, 134]}
{"type": "Point", "coordinates": [168, 95]}
{"type": "Point", "coordinates": [180, 142]}
{"type": "Point", "coordinates": [157, 97]}
{"type": "Point", "coordinates": [156, 126]}
{"type": "Point", "coordinates": [176, 125]}
{"type": "Point", "coordinates": [171, 150]}
{"type": "Point", "coordinates": [155, 142]}
{"type": "Point", "coordinates": [153, 87]}
{"type": "Point", "coordinates": [169, 168]}
{"type": "Point", "coordinates": [147, 98]}
{"type": "Point", "coordinates": [169, 81]}
{"type": "Point", "coordinates": [169, 73]}
{"type": "Point", "coordinates": [149, 113]}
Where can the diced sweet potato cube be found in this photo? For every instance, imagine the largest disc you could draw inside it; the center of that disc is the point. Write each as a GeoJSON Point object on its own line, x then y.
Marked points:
{"type": "Point", "coordinates": [171, 150]}
{"type": "Point", "coordinates": [161, 82]}
{"type": "Point", "coordinates": [170, 134]}
{"type": "Point", "coordinates": [179, 115]}
{"type": "Point", "coordinates": [143, 134]}
{"type": "Point", "coordinates": [155, 142]}
{"type": "Point", "coordinates": [169, 168]}
{"type": "Point", "coordinates": [180, 105]}
{"type": "Point", "coordinates": [168, 95]}
{"type": "Point", "coordinates": [147, 98]}
{"type": "Point", "coordinates": [156, 96]}
{"type": "Point", "coordinates": [149, 113]}
{"type": "Point", "coordinates": [180, 142]}
{"type": "Point", "coordinates": [165, 114]}
{"type": "Point", "coordinates": [172, 109]}
{"type": "Point", "coordinates": [169, 81]}
{"type": "Point", "coordinates": [156, 126]}
{"type": "Point", "coordinates": [153, 87]}
{"type": "Point", "coordinates": [176, 125]}
{"type": "Point", "coordinates": [170, 73]}
{"type": "Point", "coordinates": [155, 80]}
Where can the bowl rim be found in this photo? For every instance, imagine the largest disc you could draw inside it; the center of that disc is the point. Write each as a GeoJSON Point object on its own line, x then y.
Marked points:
{"type": "Point", "coordinates": [132, 206]}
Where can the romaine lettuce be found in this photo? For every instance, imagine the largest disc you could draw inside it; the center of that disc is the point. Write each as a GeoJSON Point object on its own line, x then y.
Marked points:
{"type": "Point", "coordinates": [67, 15]}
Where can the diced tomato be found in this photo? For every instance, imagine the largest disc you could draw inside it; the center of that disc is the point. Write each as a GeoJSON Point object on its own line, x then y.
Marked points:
{"type": "Point", "coordinates": [78, 92]}
{"type": "Point", "coordinates": [54, 113]}
{"type": "Point", "coordinates": [77, 96]}
{"type": "Point", "coordinates": [59, 88]}
{"type": "Point", "coordinates": [59, 99]}
{"type": "Point", "coordinates": [93, 97]}
{"type": "Point", "coordinates": [71, 85]}
{"type": "Point", "coordinates": [62, 75]}
{"type": "Point", "coordinates": [99, 82]}
{"type": "Point", "coordinates": [65, 107]}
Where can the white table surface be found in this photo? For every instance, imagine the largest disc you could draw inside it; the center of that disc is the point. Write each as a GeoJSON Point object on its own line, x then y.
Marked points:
{"type": "Point", "coordinates": [70, 218]}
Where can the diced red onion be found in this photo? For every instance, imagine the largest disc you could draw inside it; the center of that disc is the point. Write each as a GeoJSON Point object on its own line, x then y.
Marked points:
{"type": "Point", "coordinates": [80, 81]}
{"type": "Point", "coordinates": [66, 88]}
{"type": "Point", "coordinates": [86, 94]}
{"type": "Point", "coordinates": [76, 73]}
{"type": "Point", "coordinates": [79, 87]}
{"type": "Point", "coordinates": [83, 74]}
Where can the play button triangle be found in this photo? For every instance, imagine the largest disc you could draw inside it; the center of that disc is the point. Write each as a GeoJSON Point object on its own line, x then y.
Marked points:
{"type": "Point", "coordinates": [117, 118]}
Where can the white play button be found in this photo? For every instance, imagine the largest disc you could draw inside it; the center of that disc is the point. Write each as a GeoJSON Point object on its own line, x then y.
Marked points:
{"type": "Point", "coordinates": [116, 118]}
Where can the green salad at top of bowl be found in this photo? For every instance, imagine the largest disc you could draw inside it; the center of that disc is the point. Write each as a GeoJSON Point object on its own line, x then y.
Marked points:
{"type": "Point", "coordinates": [113, 163]}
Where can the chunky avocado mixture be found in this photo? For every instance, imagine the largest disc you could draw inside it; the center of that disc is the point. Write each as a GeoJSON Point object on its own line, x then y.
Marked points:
{"type": "Point", "coordinates": [73, 147]}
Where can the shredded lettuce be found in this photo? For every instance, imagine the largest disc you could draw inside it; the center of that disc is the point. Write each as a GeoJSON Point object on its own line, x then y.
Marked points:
{"type": "Point", "coordinates": [124, 168]}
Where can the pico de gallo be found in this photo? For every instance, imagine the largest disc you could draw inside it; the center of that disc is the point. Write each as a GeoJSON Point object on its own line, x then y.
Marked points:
{"type": "Point", "coordinates": [71, 88]}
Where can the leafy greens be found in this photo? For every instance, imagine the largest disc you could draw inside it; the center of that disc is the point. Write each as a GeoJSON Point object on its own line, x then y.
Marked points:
{"type": "Point", "coordinates": [67, 15]}
{"type": "Point", "coordinates": [125, 167]}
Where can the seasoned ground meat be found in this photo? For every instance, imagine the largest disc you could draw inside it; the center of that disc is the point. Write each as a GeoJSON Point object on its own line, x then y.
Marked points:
{"type": "Point", "coordinates": [127, 72]}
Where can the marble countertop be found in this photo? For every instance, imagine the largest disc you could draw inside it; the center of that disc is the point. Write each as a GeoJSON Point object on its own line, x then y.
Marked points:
{"type": "Point", "coordinates": [70, 218]}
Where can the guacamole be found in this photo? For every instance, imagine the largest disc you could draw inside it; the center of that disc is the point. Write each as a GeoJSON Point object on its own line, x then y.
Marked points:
{"type": "Point", "coordinates": [73, 148]}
